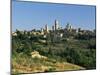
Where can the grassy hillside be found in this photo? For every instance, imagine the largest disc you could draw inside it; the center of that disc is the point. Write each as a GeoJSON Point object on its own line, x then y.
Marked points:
{"type": "Point", "coordinates": [24, 64]}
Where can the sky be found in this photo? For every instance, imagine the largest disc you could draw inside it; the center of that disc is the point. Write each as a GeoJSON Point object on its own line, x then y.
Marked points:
{"type": "Point", "coordinates": [35, 15]}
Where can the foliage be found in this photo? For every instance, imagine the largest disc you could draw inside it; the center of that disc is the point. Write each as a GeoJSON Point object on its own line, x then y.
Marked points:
{"type": "Point", "coordinates": [80, 50]}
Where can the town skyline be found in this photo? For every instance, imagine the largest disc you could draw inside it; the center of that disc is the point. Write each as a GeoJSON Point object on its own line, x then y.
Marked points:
{"type": "Point", "coordinates": [28, 16]}
{"type": "Point", "coordinates": [58, 26]}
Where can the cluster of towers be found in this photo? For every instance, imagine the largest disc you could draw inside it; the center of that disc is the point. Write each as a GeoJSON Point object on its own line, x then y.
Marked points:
{"type": "Point", "coordinates": [54, 27]}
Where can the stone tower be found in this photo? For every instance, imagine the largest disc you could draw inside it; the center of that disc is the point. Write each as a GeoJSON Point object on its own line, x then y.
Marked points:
{"type": "Point", "coordinates": [46, 28]}
{"type": "Point", "coordinates": [56, 25]}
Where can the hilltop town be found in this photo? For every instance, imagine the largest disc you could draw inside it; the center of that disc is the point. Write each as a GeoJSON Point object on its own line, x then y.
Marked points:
{"type": "Point", "coordinates": [56, 32]}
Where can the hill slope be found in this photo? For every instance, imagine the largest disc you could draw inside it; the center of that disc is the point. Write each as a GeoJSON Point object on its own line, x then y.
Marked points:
{"type": "Point", "coordinates": [24, 64]}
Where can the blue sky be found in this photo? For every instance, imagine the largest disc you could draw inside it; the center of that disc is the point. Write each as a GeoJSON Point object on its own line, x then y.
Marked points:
{"type": "Point", "coordinates": [30, 15]}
